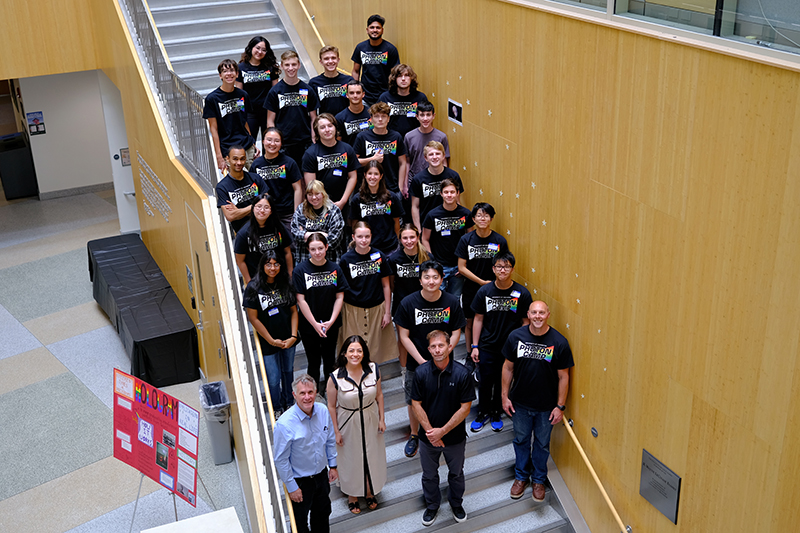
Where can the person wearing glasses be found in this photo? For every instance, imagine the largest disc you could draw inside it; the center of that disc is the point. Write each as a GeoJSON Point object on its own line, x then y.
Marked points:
{"type": "Point", "coordinates": [498, 309]}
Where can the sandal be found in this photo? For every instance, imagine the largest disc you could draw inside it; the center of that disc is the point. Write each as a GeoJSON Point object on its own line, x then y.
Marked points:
{"type": "Point", "coordinates": [354, 507]}
{"type": "Point", "coordinates": [372, 503]}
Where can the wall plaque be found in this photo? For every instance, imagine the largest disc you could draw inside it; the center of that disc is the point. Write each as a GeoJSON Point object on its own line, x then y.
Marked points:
{"type": "Point", "coordinates": [660, 486]}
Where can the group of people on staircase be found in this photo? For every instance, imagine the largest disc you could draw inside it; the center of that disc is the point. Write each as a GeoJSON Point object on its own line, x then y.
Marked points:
{"type": "Point", "coordinates": [347, 223]}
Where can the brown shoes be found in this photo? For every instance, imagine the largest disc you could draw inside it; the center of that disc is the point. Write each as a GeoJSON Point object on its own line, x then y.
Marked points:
{"type": "Point", "coordinates": [518, 488]}
{"type": "Point", "coordinates": [538, 492]}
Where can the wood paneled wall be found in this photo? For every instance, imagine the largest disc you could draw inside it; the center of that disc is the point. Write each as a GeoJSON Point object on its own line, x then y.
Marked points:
{"type": "Point", "coordinates": [657, 213]}
{"type": "Point", "coordinates": [42, 37]}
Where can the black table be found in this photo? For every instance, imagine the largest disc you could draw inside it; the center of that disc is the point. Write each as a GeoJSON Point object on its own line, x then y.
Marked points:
{"type": "Point", "coordinates": [157, 333]}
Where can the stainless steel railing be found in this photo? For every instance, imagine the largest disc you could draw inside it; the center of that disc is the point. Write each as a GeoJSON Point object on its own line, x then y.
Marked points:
{"type": "Point", "coordinates": [182, 111]}
{"type": "Point", "coordinates": [182, 106]}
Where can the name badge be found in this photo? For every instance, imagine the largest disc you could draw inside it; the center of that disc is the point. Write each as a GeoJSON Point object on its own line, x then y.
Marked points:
{"type": "Point", "coordinates": [494, 246]}
{"type": "Point", "coordinates": [337, 172]}
{"type": "Point", "coordinates": [375, 256]}
{"type": "Point", "coordinates": [515, 294]}
{"type": "Point", "coordinates": [363, 125]}
{"type": "Point", "coordinates": [273, 311]}
{"type": "Point", "coordinates": [445, 232]}
{"type": "Point", "coordinates": [411, 114]}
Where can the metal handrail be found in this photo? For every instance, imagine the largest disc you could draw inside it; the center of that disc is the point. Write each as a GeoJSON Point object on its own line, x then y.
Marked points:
{"type": "Point", "coordinates": [182, 106]}
{"type": "Point", "coordinates": [622, 527]}
{"type": "Point", "coordinates": [316, 31]}
{"type": "Point", "coordinates": [181, 110]}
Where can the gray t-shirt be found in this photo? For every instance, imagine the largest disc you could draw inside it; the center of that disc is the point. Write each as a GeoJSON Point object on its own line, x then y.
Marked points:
{"type": "Point", "coordinates": [415, 147]}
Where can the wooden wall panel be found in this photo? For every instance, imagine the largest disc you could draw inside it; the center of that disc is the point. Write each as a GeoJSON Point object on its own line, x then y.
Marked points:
{"type": "Point", "coordinates": [669, 179]}
{"type": "Point", "coordinates": [39, 37]}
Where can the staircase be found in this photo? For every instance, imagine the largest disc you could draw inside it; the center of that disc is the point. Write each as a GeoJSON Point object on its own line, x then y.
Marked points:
{"type": "Point", "coordinates": [489, 470]}
{"type": "Point", "coordinates": [197, 36]}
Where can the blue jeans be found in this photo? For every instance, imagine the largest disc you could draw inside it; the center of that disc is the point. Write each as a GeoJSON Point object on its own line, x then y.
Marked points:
{"type": "Point", "coordinates": [452, 284]}
{"type": "Point", "coordinates": [531, 463]}
{"type": "Point", "coordinates": [280, 374]}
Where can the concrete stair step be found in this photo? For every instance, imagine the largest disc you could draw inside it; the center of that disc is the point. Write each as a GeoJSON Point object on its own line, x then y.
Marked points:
{"type": "Point", "coordinates": [204, 10]}
{"type": "Point", "coordinates": [229, 41]}
{"type": "Point", "coordinates": [216, 25]}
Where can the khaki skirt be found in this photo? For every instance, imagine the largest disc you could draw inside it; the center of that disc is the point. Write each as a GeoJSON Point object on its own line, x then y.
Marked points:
{"type": "Point", "coordinates": [382, 343]}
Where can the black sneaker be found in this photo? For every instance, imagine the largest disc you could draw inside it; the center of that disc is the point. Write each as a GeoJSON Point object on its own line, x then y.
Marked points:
{"type": "Point", "coordinates": [429, 516]}
{"type": "Point", "coordinates": [459, 514]}
{"type": "Point", "coordinates": [411, 448]}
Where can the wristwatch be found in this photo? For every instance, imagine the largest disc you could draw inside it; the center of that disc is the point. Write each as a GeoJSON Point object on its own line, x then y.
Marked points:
{"type": "Point", "coordinates": [561, 407]}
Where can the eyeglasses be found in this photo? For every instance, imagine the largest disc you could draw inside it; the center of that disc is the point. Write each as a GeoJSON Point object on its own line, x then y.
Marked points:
{"type": "Point", "coordinates": [503, 267]}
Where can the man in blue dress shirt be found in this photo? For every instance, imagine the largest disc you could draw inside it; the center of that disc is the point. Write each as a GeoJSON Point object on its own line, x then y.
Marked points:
{"type": "Point", "coordinates": [305, 456]}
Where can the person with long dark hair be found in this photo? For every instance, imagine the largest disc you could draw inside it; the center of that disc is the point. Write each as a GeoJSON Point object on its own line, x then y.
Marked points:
{"type": "Point", "coordinates": [258, 72]}
{"type": "Point", "coordinates": [320, 286]}
{"type": "Point", "coordinates": [355, 403]}
{"type": "Point", "coordinates": [261, 233]}
{"type": "Point", "coordinates": [269, 301]}
{"type": "Point", "coordinates": [380, 207]}
{"type": "Point", "coordinates": [367, 301]}
{"type": "Point", "coordinates": [281, 175]}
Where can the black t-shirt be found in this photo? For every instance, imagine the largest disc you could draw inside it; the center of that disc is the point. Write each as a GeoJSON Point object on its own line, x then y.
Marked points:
{"type": "Point", "coordinates": [319, 285]}
{"type": "Point", "coordinates": [274, 308]}
{"type": "Point", "coordinates": [420, 317]}
{"type": "Point", "coordinates": [240, 193]}
{"type": "Point", "coordinates": [381, 217]}
{"type": "Point", "coordinates": [537, 360]}
{"type": "Point", "coordinates": [270, 237]}
{"type": "Point", "coordinates": [364, 273]}
{"type": "Point", "coordinates": [403, 110]}
{"type": "Point", "coordinates": [230, 110]}
{"type": "Point", "coordinates": [257, 81]}
{"type": "Point", "coordinates": [331, 165]}
{"type": "Point", "coordinates": [441, 393]}
{"type": "Point", "coordinates": [278, 174]}
{"type": "Point", "coordinates": [351, 124]}
{"type": "Point", "coordinates": [503, 311]}
{"type": "Point", "coordinates": [428, 188]}
{"type": "Point", "coordinates": [292, 105]}
{"type": "Point", "coordinates": [331, 92]}
{"type": "Point", "coordinates": [406, 276]}
{"type": "Point", "coordinates": [368, 143]}
{"type": "Point", "coordinates": [479, 252]}
{"type": "Point", "coordinates": [447, 227]}
{"type": "Point", "coordinates": [376, 65]}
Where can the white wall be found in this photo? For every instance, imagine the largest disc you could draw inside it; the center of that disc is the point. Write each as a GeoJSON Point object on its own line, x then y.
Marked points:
{"type": "Point", "coordinates": [73, 154]}
{"type": "Point", "coordinates": [117, 139]}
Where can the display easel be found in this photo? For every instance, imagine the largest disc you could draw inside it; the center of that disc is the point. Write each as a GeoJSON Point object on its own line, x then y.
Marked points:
{"type": "Point", "coordinates": [174, 499]}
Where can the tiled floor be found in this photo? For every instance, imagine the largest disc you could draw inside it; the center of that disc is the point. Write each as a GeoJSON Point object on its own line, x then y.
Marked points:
{"type": "Point", "coordinates": [56, 358]}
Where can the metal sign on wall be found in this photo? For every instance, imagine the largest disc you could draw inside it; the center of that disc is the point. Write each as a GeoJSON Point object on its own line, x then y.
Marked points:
{"type": "Point", "coordinates": [660, 486]}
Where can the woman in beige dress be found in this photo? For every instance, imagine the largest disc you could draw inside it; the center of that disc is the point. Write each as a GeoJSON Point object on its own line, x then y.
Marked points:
{"type": "Point", "coordinates": [355, 402]}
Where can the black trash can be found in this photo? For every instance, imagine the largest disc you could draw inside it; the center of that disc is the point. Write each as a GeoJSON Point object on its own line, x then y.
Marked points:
{"type": "Point", "coordinates": [216, 406]}
{"type": "Point", "coordinates": [16, 167]}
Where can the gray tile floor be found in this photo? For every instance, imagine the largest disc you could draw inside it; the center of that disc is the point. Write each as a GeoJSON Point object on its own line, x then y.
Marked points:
{"type": "Point", "coordinates": [56, 421]}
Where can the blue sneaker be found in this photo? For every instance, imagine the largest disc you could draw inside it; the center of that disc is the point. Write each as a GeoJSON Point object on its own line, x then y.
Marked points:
{"type": "Point", "coordinates": [497, 423]}
{"type": "Point", "coordinates": [480, 421]}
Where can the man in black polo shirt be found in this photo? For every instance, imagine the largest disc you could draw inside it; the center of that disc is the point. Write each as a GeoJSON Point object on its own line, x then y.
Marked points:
{"type": "Point", "coordinates": [442, 395]}
{"type": "Point", "coordinates": [420, 313]}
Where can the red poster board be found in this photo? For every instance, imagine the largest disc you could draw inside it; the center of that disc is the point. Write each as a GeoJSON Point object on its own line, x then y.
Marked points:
{"type": "Point", "coordinates": [156, 434]}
